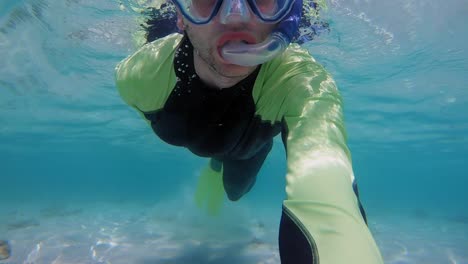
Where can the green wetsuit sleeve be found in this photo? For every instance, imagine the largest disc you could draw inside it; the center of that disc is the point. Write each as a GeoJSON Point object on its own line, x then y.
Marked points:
{"type": "Point", "coordinates": [146, 78]}
{"type": "Point", "coordinates": [319, 172]}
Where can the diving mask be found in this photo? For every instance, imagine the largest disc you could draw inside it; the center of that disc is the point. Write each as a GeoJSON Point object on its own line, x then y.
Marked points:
{"type": "Point", "coordinates": [286, 13]}
{"type": "Point", "coordinates": [203, 11]}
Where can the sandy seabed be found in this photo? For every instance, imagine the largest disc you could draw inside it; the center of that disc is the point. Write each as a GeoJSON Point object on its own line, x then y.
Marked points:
{"type": "Point", "coordinates": [163, 233]}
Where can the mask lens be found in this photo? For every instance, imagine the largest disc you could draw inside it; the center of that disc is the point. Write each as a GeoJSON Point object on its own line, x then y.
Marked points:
{"type": "Point", "coordinates": [201, 9]}
{"type": "Point", "coordinates": [267, 7]}
{"type": "Point", "coordinates": [272, 10]}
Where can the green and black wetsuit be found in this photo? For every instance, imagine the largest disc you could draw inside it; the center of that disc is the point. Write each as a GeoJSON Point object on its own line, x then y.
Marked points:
{"type": "Point", "coordinates": [322, 220]}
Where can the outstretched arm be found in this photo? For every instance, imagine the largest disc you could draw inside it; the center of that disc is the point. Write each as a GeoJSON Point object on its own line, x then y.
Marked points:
{"type": "Point", "coordinates": [321, 221]}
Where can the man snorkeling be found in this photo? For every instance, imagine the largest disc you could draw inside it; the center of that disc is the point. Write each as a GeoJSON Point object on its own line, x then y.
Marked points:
{"type": "Point", "coordinates": [230, 83]}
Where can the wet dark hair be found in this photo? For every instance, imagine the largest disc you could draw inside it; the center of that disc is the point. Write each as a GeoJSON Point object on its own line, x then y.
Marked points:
{"type": "Point", "coordinates": [160, 22]}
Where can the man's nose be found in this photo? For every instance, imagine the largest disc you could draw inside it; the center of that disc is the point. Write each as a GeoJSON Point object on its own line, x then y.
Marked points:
{"type": "Point", "coordinates": [234, 11]}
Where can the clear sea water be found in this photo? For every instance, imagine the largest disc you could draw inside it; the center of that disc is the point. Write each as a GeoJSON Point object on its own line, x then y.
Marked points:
{"type": "Point", "coordinates": [84, 180]}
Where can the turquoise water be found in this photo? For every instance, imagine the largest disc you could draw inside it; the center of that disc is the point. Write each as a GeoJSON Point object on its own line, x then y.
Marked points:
{"type": "Point", "coordinates": [84, 180]}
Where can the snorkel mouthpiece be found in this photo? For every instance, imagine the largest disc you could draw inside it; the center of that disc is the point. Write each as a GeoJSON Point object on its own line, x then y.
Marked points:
{"type": "Point", "coordinates": [254, 54]}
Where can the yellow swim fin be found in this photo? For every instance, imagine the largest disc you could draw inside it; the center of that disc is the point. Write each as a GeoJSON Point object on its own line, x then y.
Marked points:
{"type": "Point", "coordinates": [210, 190]}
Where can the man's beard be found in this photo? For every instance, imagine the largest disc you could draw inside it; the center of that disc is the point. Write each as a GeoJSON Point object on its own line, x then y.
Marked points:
{"type": "Point", "coordinates": [206, 54]}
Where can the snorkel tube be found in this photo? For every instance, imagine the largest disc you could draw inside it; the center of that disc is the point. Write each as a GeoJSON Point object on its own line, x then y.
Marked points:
{"type": "Point", "coordinates": [254, 54]}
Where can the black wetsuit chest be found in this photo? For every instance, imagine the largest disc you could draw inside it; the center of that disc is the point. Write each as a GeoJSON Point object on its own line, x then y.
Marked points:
{"type": "Point", "coordinates": [210, 122]}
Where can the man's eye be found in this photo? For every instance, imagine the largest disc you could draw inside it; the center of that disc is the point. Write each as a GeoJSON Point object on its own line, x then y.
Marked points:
{"type": "Point", "coordinates": [267, 7]}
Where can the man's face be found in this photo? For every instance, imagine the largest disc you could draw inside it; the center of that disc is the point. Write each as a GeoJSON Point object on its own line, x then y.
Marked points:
{"type": "Point", "coordinates": [208, 39]}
